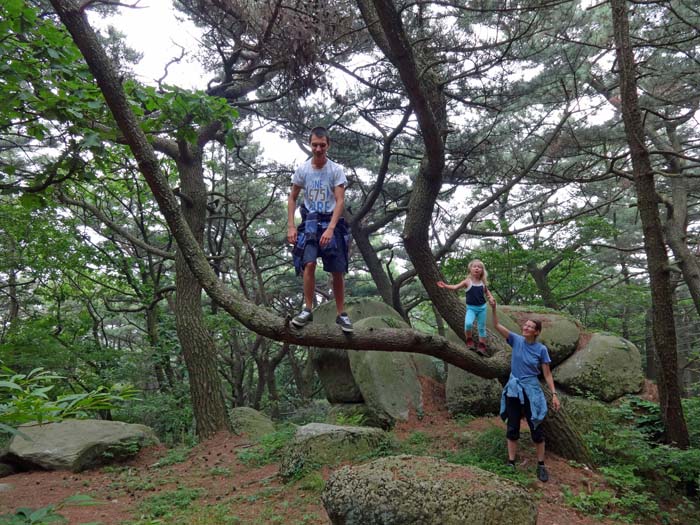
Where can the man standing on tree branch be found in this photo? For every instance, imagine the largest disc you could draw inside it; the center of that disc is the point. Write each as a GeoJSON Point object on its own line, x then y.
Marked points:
{"type": "Point", "coordinates": [322, 232]}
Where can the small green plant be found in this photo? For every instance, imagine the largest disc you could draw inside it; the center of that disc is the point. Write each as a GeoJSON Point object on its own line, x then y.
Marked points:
{"type": "Point", "coordinates": [173, 456]}
{"type": "Point", "coordinates": [220, 471]}
{"type": "Point", "coordinates": [312, 482]}
{"type": "Point", "coordinates": [416, 443]}
{"type": "Point", "coordinates": [48, 514]}
{"type": "Point", "coordinates": [269, 448]}
{"type": "Point", "coordinates": [165, 504]}
{"type": "Point", "coordinates": [596, 504]}
{"type": "Point", "coordinates": [350, 420]}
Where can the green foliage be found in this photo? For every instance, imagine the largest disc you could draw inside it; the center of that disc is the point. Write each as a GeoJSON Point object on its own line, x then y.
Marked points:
{"type": "Point", "coordinates": [25, 398]}
{"type": "Point", "coordinates": [691, 410]}
{"type": "Point", "coordinates": [165, 504]}
{"type": "Point", "coordinates": [488, 451]}
{"type": "Point", "coordinates": [596, 504]}
{"type": "Point", "coordinates": [48, 514]}
{"type": "Point", "coordinates": [641, 471]}
{"type": "Point", "coordinates": [173, 108]}
{"type": "Point", "coordinates": [269, 448]}
{"type": "Point", "coordinates": [351, 420]}
{"type": "Point", "coordinates": [312, 482]}
{"type": "Point", "coordinates": [173, 456]}
{"type": "Point", "coordinates": [169, 414]}
{"type": "Point", "coordinates": [417, 443]}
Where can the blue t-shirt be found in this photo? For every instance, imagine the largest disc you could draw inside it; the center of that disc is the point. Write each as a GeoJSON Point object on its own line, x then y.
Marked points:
{"type": "Point", "coordinates": [527, 359]}
{"type": "Point", "coordinates": [319, 184]}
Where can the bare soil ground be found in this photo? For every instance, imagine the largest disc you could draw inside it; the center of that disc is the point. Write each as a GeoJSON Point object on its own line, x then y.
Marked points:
{"type": "Point", "coordinates": [220, 488]}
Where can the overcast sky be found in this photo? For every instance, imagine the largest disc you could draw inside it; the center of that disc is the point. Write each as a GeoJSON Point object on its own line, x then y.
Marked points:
{"type": "Point", "coordinates": [154, 30]}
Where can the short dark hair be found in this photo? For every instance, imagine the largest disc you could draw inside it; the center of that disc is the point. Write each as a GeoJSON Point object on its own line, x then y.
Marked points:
{"type": "Point", "coordinates": [538, 324]}
{"type": "Point", "coordinates": [320, 132]}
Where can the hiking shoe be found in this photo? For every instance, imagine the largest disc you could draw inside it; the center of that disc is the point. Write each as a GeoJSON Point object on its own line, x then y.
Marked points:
{"type": "Point", "coordinates": [470, 342]}
{"type": "Point", "coordinates": [481, 349]}
{"type": "Point", "coordinates": [542, 473]}
{"type": "Point", "coordinates": [344, 321]}
{"type": "Point", "coordinates": [304, 318]}
{"type": "Point", "coordinates": [510, 466]}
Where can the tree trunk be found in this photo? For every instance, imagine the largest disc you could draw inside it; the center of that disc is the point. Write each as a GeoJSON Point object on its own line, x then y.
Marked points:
{"type": "Point", "coordinates": [654, 246]}
{"type": "Point", "coordinates": [198, 347]}
{"type": "Point", "coordinates": [376, 270]}
{"type": "Point", "coordinates": [651, 371]}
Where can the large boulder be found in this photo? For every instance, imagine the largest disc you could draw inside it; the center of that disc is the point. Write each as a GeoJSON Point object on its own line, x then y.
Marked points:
{"type": "Point", "coordinates": [388, 380]}
{"type": "Point", "coordinates": [467, 393]}
{"type": "Point", "coordinates": [77, 444]}
{"type": "Point", "coordinates": [341, 371]}
{"type": "Point", "coordinates": [403, 490]}
{"type": "Point", "coordinates": [560, 334]}
{"type": "Point", "coordinates": [333, 365]}
{"type": "Point", "coordinates": [246, 420]}
{"type": "Point", "coordinates": [319, 444]}
{"type": "Point", "coordinates": [470, 394]}
{"type": "Point", "coordinates": [607, 368]}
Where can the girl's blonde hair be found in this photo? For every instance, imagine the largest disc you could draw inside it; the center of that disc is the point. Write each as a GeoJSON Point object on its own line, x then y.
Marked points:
{"type": "Point", "coordinates": [484, 275]}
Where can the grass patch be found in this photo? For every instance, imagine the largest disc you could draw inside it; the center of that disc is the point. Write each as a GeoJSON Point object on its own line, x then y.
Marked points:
{"type": "Point", "coordinates": [173, 456]}
{"type": "Point", "coordinates": [167, 504]}
{"type": "Point", "coordinates": [269, 448]}
{"type": "Point", "coordinates": [417, 444]}
{"type": "Point", "coordinates": [488, 451]}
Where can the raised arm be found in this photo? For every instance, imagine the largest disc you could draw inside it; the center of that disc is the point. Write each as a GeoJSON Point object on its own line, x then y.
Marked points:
{"type": "Point", "coordinates": [499, 327]}
{"type": "Point", "coordinates": [463, 284]}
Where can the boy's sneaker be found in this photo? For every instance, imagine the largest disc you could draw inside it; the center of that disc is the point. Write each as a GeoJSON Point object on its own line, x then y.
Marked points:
{"type": "Point", "coordinates": [510, 466]}
{"type": "Point", "coordinates": [481, 349]}
{"type": "Point", "coordinates": [542, 473]}
{"type": "Point", "coordinates": [344, 321]}
{"type": "Point", "coordinates": [304, 318]}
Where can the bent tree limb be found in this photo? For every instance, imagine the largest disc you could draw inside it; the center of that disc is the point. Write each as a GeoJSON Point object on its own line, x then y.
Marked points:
{"type": "Point", "coordinates": [256, 318]}
{"type": "Point", "coordinates": [259, 319]}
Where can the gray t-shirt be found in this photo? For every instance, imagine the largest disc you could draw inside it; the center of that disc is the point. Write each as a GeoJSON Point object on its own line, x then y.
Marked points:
{"type": "Point", "coordinates": [319, 184]}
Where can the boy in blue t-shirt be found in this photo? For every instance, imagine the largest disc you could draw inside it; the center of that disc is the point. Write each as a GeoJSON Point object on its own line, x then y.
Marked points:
{"type": "Point", "coordinates": [322, 232]}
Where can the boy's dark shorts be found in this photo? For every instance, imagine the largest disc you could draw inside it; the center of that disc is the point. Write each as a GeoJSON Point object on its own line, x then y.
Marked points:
{"type": "Point", "coordinates": [334, 259]}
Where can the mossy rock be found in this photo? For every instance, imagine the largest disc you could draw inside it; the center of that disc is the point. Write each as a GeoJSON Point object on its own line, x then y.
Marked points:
{"type": "Point", "coordinates": [402, 490]}
{"type": "Point", "coordinates": [331, 364]}
{"type": "Point", "coordinates": [246, 420]}
{"type": "Point", "coordinates": [318, 444]}
{"type": "Point", "coordinates": [607, 368]}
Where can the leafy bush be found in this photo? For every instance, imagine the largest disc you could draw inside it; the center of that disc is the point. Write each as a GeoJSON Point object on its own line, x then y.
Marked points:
{"type": "Point", "coordinates": [25, 398]}
{"type": "Point", "coordinates": [641, 471]}
{"type": "Point", "coordinates": [169, 414]}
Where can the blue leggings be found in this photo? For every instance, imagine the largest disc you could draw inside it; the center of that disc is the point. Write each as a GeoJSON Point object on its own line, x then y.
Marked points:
{"type": "Point", "coordinates": [478, 314]}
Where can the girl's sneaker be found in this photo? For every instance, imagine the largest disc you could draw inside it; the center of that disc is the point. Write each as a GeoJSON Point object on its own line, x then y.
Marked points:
{"type": "Point", "coordinates": [470, 343]}
{"type": "Point", "coordinates": [481, 348]}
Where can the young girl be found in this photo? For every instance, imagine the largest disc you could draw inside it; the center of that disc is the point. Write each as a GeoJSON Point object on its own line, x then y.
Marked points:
{"type": "Point", "coordinates": [477, 295]}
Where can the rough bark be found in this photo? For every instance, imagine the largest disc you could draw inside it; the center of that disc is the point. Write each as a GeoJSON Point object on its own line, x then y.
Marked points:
{"type": "Point", "coordinates": [654, 246]}
{"type": "Point", "coordinates": [198, 346]}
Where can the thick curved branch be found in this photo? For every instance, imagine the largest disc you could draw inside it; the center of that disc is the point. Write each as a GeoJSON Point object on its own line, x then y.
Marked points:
{"type": "Point", "coordinates": [257, 319]}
